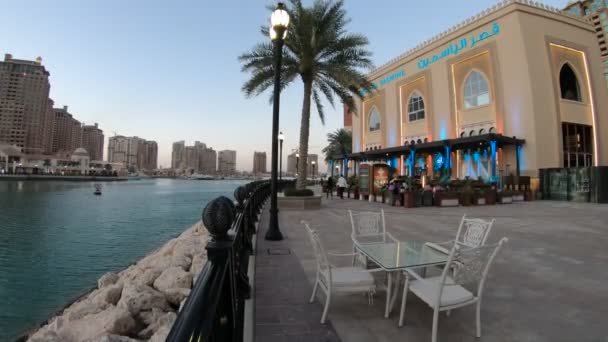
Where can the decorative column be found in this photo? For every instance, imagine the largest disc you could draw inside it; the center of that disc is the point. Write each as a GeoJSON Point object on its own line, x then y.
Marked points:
{"type": "Point", "coordinates": [493, 158]}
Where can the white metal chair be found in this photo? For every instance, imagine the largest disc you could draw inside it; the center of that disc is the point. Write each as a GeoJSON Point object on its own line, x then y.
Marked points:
{"type": "Point", "coordinates": [332, 279]}
{"type": "Point", "coordinates": [475, 234]}
{"type": "Point", "coordinates": [368, 228]}
{"type": "Point", "coordinates": [465, 287]}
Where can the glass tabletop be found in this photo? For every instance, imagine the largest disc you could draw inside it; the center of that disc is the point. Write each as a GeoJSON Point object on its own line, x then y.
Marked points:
{"type": "Point", "coordinates": [405, 254]}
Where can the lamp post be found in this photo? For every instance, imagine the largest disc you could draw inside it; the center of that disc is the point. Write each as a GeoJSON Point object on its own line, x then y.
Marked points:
{"type": "Point", "coordinates": [337, 170]}
{"type": "Point", "coordinates": [313, 170]}
{"type": "Point", "coordinates": [281, 138]}
{"type": "Point", "coordinates": [297, 161]}
{"type": "Point", "coordinates": [279, 20]}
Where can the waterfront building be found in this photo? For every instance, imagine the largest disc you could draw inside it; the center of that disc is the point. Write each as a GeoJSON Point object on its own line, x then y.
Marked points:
{"type": "Point", "coordinates": [147, 155]}
{"type": "Point", "coordinates": [513, 90]}
{"type": "Point", "coordinates": [596, 11]}
{"type": "Point", "coordinates": [24, 104]}
{"type": "Point", "coordinates": [67, 131]}
{"type": "Point", "coordinates": [309, 172]}
{"type": "Point", "coordinates": [177, 154]}
{"type": "Point", "coordinates": [93, 141]}
{"type": "Point", "coordinates": [259, 163]}
{"type": "Point", "coordinates": [207, 161]}
{"type": "Point", "coordinates": [226, 161]}
{"type": "Point", "coordinates": [293, 162]}
{"type": "Point", "coordinates": [133, 152]}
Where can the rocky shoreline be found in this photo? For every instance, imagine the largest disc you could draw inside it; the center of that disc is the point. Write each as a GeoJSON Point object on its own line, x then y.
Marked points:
{"type": "Point", "coordinates": [139, 303]}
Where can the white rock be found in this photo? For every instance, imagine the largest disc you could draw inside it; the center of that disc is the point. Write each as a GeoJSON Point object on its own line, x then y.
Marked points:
{"type": "Point", "coordinates": [107, 279]}
{"type": "Point", "coordinates": [83, 308]}
{"type": "Point", "coordinates": [114, 320]}
{"type": "Point", "coordinates": [138, 297]}
{"type": "Point", "coordinates": [176, 296]}
{"type": "Point", "coordinates": [173, 277]}
{"type": "Point", "coordinates": [164, 328]}
{"type": "Point", "coordinates": [182, 261]}
{"type": "Point", "coordinates": [116, 338]}
{"type": "Point", "coordinates": [198, 261]}
{"type": "Point", "coordinates": [109, 294]}
{"type": "Point", "coordinates": [151, 317]}
{"type": "Point", "coordinates": [188, 247]}
{"type": "Point", "coordinates": [44, 335]}
{"type": "Point", "coordinates": [148, 276]}
{"type": "Point", "coordinates": [164, 320]}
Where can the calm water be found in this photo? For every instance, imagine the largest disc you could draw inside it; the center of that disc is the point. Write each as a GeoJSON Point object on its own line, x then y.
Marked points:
{"type": "Point", "coordinates": [57, 238]}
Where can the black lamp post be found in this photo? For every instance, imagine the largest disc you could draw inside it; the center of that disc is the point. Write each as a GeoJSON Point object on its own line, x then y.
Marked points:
{"type": "Point", "coordinates": [313, 170]}
{"type": "Point", "coordinates": [278, 31]}
{"type": "Point", "coordinates": [281, 138]}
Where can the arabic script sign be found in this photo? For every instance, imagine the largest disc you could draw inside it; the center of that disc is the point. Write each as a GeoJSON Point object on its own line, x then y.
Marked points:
{"type": "Point", "coordinates": [386, 80]}
{"type": "Point", "coordinates": [456, 47]}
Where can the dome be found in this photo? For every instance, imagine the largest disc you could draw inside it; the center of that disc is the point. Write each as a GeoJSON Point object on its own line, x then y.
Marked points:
{"type": "Point", "coordinates": [80, 152]}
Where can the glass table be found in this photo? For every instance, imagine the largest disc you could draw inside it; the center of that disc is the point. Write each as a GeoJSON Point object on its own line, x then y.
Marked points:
{"type": "Point", "coordinates": [396, 257]}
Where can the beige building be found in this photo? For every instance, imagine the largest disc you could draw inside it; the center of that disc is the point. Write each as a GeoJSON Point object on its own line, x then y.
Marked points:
{"type": "Point", "coordinates": [67, 131]}
{"type": "Point", "coordinates": [193, 159]}
{"type": "Point", "coordinates": [93, 141]}
{"type": "Point", "coordinates": [259, 163]}
{"type": "Point", "coordinates": [24, 104]}
{"type": "Point", "coordinates": [133, 152]}
{"type": "Point", "coordinates": [177, 153]}
{"type": "Point", "coordinates": [147, 155]}
{"type": "Point", "coordinates": [515, 89]}
{"type": "Point", "coordinates": [596, 11]}
{"type": "Point", "coordinates": [226, 162]}
{"type": "Point", "coordinates": [293, 161]}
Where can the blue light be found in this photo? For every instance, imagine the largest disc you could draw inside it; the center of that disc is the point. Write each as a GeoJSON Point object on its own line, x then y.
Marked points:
{"type": "Point", "coordinates": [476, 156]}
{"type": "Point", "coordinates": [438, 162]}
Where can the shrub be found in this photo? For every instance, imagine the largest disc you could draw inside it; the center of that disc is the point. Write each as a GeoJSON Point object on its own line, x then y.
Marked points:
{"type": "Point", "coordinates": [293, 192]}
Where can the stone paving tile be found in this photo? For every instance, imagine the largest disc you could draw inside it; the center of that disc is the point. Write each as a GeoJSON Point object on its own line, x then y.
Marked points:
{"type": "Point", "coordinates": [282, 310]}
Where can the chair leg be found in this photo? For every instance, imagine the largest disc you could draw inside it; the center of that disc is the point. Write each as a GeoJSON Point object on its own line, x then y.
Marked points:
{"type": "Point", "coordinates": [435, 321]}
{"type": "Point", "coordinates": [479, 318]}
{"type": "Point", "coordinates": [314, 291]}
{"type": "Point", "coordinates": [388, 294]}
{"type": "Point", "coordinates": [327, 299]}
{"type": "Point", "coordinates": [403, 301]}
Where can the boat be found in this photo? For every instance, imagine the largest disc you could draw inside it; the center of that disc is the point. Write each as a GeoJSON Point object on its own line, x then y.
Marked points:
{"type": "Point", "coordinates": [97, 190]}
{"type": "Point", "coordinates": [196, 176]}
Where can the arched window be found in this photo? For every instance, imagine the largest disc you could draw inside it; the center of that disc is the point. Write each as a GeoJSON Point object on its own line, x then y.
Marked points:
{"type": "Point", "coordinates": [412, 142]}
{"type": "Point", "coordinates": [492, 130]}
{"type": "Point", "coordinates": [462, 134]}
{"type": "Point", "coordinates": [415, 107]}
{"type": "Point", "coordinates": [374, 120]}
{"type": "Point", "coordinates": [482, 131]}
{"type": "Point", "coordinates": [426, 140]}
{"type": "Point", "coordinates": [472, 133]}
{"type": "Point", "coordinates": [406, 143]}
{"type": "Point", "coordinates": [418, 141]}
{"type": "Point", "coordinates": [569, 84]}
{"type": "Point", "coordinates": [476, 90]}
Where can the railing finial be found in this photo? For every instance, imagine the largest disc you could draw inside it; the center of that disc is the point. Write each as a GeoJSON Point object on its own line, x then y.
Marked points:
{"type": "Point", "coordinates": [218, 216]}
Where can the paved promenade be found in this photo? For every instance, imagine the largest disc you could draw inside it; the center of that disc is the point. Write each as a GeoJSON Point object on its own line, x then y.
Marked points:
{"type": "Point", "coordinates": [548, 284]}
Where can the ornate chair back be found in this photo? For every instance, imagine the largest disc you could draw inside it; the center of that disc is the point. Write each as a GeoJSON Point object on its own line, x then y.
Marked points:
{"type": "Point", "coordinates": [473, 232]}
{"type": "Point", "coordinates": [368, 227]}
{"type": "Point", "coordinates": [323, 265]}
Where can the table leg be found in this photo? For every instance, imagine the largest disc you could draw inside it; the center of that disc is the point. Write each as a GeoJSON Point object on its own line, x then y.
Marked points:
{"type": "Point", "coordinates": [395, 291]}
{"type": "Point", "coordinates": [388, 293]}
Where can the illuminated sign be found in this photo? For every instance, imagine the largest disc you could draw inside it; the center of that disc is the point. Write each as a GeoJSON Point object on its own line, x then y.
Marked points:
{"type": "Point", "coordinates": [386, 80]}
{"type": "Point", "coordinates": [455, 48]}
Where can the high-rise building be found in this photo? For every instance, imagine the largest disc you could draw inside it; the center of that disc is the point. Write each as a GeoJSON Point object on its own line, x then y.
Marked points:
{"type": "Point", "coordinates": [92, 141]}
{"type": "Point", "coordinates": [67, 131]}
{"type": "Point", "coordinates": [596, 11]}
{"type": "Point", "coordinates": [208, 161]}
{"type": "Point", "coordinates": [293, 162]}
{"type": "Point", "coordinates": [133, 152]}
{"type": "Point", "coordinates": [259, 162]}
{"type": "Point", "coordinates": [24, 104]}
{"type": "Point", "coordinates": [226, 161]}
{"type": "Point", "coordinates": [177, 154]}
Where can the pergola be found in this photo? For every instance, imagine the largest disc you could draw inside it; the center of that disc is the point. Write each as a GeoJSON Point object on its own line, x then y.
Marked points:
{"type": "Point", "coordinates": [492, 140]}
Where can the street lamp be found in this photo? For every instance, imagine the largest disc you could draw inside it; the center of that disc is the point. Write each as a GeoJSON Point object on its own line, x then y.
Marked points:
{"type": "Point", "coordinates": [338, 170]}
{"type": "Point", "coordinates": [313, 169]}
{"type": "Point", "coordinates": [281, 138]}
{"type": "Point", "coordinates": [279, 20]}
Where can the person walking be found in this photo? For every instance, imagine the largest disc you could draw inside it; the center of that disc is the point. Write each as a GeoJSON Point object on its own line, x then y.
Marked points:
{"type": "Point", "coordinates": [329, 187]}
{"type": "Point", "coordinates": [341, 186]}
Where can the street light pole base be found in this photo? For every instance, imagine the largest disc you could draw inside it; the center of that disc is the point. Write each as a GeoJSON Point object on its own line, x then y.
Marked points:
{"type": "Point", "coordinates": [274, 233]}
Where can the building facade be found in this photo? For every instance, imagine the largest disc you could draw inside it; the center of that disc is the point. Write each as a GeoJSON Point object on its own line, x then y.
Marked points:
{"type": "Point", "coordinates": [133, 152]}
{"type": "Point", "coordinates": [67, 131]}
{"type": "Point", "coordinates": [595, 11]}
{"type": "Point", "coordinates": [293, 161]}
{"type": "Point", "coordinates": [513, 90]}
{"type": "Point", "coordinates": [177, 153]}
{"type": "Point", "coordinates": [207, 161]}
{"type": "Point", "coordinates": [259, 163]}
{"type": "Point", "coordinates": [93, 141]}
{"type": "Point", "coordinates": [24, 104]}
{"type": "Point", "coordinates": [226, 161]}
{"type": "Point", "coordinates": [193, 159]}
{"type": "Point", "coordinates": [147, 155]}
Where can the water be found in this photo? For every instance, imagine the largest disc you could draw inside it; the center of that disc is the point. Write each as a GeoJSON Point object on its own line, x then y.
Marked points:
{"type": "Point", "coordinates": [57, 238]}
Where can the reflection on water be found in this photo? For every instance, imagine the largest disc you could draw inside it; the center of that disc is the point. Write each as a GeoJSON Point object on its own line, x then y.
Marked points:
{"type": "Point", "coordinates": [57, 238]}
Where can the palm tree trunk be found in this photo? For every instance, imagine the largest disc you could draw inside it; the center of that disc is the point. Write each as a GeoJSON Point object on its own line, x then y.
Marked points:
{"type": "Point", "coordinates": [304, 131]}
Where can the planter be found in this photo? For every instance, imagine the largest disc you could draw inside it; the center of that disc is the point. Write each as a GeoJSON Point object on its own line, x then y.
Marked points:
{"type": "Point", "coordinates": [427, 198]}
{"type": "Point", "coordinates": [479, 199]}
{"type": "Point", "coordinates": [490, 196]}
{"type": "Point", "coordinates": [447, 199]}
{"type": "Point", "coordinates": [518, 197]}
{"type": "Point", "coordinates": [417, 199]}
{"type": "Point", "coordinates": [408, 199]}
{"type": "Point", "coordinates": [505, 199]}
{"type": "Point", "coordinates": [466, 199]}
{"type": "Point", "coordinates": [528, 195]}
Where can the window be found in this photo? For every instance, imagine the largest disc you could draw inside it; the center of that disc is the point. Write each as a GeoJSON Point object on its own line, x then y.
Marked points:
{"type": "Point", "coordinates": [492, 130]}
{"type": "Point", "coordinates": [462, 134]}
{"type": "Point", "coordinates": [569, 84]}
{"type": "Point", "coordinates": [374, 120]}
{"type": "Point", "coordinates": [476, 90]}
{"type": "Point", "coordinates": [577, 145]}
{"type": "Point", "coordinates": [472, 133]}
{"type": "Point", "coordinates": [482, 131]}
{"type": "Point", "coordinates": [415, 107]}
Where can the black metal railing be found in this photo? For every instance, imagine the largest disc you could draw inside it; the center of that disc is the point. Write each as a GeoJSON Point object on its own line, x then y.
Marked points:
{"type": "Point", "coordinates": [214, 310]}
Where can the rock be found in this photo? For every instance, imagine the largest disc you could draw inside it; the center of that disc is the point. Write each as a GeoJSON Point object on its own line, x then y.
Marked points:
{"type": "Point", "coordinates": [164, 328]}
{"type": "Point", "coordinates": [139, 297]}
{"type": "Point", "coordinates": [198, 261]}
{"type": "Point", "coordinates": [164, 320]}
{"type": "Point", "coordinates": [188, 247]}
{"type": "Point", "coordinates": [176, 296]}
{"type": "Point", "coordinates": [182, 261]}
{"type": "Point", "coordinates": [150, 317]}
{"type": "Point", "coordinates": [109, 278]}
{"type": "Point", "coordinates": [116, 338]}
{"type": "Point", "coordinates": [109, 295]}
{"type": "Point", "coordinates": [132, 273]}
{"type": "Point", "coordinates": [173, 277]}
{"type": "Point", "coordinates": [84, 308]}
{"type": "Point", "coordinates": [114, 321]}
{"type": "Point", "coordinates": [44, 335]}
{"type": "Point", "coordinates": [149, 276]}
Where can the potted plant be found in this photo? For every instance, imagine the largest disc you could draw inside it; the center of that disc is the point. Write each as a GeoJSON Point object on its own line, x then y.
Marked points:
{"type": "Point", "coordinates": [466, 193]}
{"type": "Point", "coordinates": [408, 195]}
{"type": "Point", "coordinates": [479, 197]}
{"type": "Point", "coordinates": [504, 197]}
{"type": "Point", "coordinates": [352, 186]}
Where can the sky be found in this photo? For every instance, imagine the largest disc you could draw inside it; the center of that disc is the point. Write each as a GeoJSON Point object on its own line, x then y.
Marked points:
{"type": "Point", "coordinates": [168, 70]}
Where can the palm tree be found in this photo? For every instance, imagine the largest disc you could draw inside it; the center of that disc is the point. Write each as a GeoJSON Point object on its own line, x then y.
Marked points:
{"type": "Point", "coordinates": [340, 144]}
{"type": "Point", "coordinates": [329, 61]}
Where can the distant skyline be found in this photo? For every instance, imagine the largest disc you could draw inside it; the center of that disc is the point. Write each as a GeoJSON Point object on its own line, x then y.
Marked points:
{"type": "Point", "coordinates": [168, 73]}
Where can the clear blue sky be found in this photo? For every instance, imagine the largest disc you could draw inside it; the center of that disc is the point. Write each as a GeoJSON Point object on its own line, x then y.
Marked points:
{"type": "Point", "coordinates": [168, 70]}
